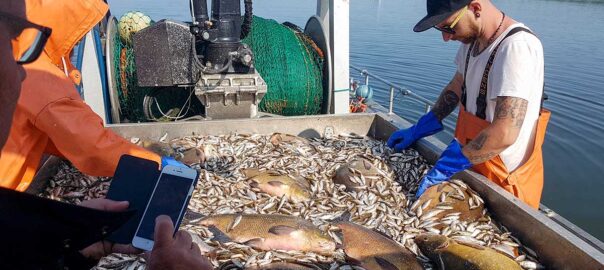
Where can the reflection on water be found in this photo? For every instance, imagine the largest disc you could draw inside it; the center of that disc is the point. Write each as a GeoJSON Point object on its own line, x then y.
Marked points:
{"type": "Point", "coordinates": [571, 32]}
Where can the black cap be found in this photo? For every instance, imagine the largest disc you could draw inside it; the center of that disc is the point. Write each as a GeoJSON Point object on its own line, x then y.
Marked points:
{"type": "Point", "coordinates": [438, 11]}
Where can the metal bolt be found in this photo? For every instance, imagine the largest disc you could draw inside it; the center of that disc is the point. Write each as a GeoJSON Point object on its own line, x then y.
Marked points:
{"type": "Point", "coordinates": [247, 58]}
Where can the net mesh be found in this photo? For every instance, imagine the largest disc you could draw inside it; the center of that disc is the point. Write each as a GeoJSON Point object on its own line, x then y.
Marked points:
{"type": "Point", "coordinates": [290, 64]}
{"type": "Point", "coordinates": [287, 60]}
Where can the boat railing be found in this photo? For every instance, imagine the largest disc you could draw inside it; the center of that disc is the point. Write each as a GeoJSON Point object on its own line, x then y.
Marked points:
{"type": "Point", "coordinates": [393, 88]}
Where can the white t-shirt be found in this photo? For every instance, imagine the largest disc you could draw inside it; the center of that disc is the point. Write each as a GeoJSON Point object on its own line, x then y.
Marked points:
{"type": "Point", "coordinates": [517, 71]}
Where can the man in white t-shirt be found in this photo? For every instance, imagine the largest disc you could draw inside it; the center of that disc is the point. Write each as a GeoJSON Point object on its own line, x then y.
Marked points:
{"type": "Point", "coordinates": [499, 83]}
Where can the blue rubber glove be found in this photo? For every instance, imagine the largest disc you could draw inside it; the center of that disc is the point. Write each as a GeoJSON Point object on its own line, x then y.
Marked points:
{"type": "Point", "coordinates": [451, 161]}
{"type": "Point", "coordinates": [426, 126]}
{"type": "Point", "coordinates": [165, 161]}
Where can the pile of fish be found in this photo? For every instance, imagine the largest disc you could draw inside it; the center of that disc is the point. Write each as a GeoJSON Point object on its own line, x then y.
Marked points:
{"type": "Point", "coordinates": [280, 201]}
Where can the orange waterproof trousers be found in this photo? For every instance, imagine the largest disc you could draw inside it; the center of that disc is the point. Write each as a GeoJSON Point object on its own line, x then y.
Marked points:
{"type": "Point", "coordinates": [526, 182]}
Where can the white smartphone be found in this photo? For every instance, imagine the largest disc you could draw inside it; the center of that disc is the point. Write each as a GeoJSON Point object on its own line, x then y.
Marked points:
{"type": "Point", "coordinates": [170, 197]}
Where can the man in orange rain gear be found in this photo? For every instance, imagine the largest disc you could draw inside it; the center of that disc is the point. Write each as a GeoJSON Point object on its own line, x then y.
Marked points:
{"type": "Point", "coordinates": [50, 116]}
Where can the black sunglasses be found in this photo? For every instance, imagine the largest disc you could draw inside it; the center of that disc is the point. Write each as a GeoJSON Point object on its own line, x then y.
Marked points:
{"type": "Point", "coordinates": [22, 27]}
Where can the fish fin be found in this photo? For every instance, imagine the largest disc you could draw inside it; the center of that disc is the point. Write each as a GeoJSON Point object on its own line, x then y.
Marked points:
{"type": "Point", "coordinates": [282, 230]}
{"type": "Point", "coordinates": [301, 181]}
{"type": "Point", "coordinates": [254, 242]}
{"type": "Point", "coordinates": [381, 233]}
{"type": "Point", "coordinates": [385, 264]}
{"type": "Point", "coordinates": [219, 235]}
{"type": "Point", "coordinates": [276, 183]}
{"type": "Point", "coordinates": [251, 172]}
{"type": "Point", "coordinates": [254, 184]}
{"type": "Point", "coordinates": [234, 223]}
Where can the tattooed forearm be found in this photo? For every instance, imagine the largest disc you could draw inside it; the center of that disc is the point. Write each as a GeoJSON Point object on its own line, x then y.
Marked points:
{"type": "Point", "coordinates": [481, 158]}
{"type": "Point", "coordinates": [501, 133]}
{"type": "Point", "coordinates": [474, 150]}
{"type": "Point", "coordinates": [449, 98]}
{"type": "Point", "coordinates": [447, 102]}
{"type": "Point", "coordinates": [512, 108]}
{"type": "Point", "coordinates": [478, 143]}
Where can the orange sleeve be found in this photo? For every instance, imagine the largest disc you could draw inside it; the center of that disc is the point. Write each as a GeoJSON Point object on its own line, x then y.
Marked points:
{"type": "Point", "coordinates": [79, 135]}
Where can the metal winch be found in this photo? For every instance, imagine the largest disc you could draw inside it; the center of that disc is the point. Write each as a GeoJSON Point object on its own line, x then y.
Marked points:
{"type": "Point", "coordinates": [205, 55]}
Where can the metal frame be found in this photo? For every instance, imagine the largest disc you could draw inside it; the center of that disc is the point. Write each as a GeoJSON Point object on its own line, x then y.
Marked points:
{"type": "Point", "coordinates": [558, 247]}
{"type": "Point", "coordinates": [334, 14]}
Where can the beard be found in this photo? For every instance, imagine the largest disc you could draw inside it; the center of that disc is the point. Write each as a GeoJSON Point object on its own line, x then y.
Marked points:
{"type": "Point", "coordinates": [468, 40]}
{"type": "Point", "coordinates": [472, 35]}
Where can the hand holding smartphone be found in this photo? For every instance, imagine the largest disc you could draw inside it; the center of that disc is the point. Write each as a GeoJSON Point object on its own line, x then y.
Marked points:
{"type": "Point", "coordinates": [175, 251]}
{"type": "Point", "coordinates": [170, 197]}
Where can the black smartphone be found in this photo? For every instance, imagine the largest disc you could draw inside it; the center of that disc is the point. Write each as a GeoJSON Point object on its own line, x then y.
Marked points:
{"type": "Point", "coordinates": [133, 181]}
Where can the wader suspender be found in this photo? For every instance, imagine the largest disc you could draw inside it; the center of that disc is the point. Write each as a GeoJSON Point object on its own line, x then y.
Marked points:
{"type": "Point", "coordinates": [481, 100]}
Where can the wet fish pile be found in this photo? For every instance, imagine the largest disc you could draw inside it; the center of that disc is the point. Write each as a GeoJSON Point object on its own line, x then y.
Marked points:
{"type": "Point", "coordinates": [71, 186]}
{"type": "Point", "coordinates": [309, 194]}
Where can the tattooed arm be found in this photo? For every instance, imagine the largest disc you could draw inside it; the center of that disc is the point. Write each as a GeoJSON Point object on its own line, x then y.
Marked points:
{"type": "Point", "coordinates": [503, 131]}
{"type": "Point", "coordinates": [449, 98]}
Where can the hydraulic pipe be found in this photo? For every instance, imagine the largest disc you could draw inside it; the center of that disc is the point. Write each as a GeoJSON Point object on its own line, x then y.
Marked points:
{"type": "Point", "coordinates": [228, 15]}
{"type": "Point", "coordinates": [200, 9]}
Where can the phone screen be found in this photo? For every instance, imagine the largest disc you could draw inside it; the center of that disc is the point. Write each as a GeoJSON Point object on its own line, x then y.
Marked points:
{"type": "Point", "coordinates": [168, 199]}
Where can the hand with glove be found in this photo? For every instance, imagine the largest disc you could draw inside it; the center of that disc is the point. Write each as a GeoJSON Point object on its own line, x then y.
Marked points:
{"type": "Point", "coordinates": [165, 161]}
{"type": "Point", "coordinates": [426, 126]}
{"type": "Point", "coordinates": [451, 161]}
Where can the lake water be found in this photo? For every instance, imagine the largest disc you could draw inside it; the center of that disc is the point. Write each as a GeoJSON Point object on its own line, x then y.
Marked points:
{"type": "Point", "coordinates": [572, 33]}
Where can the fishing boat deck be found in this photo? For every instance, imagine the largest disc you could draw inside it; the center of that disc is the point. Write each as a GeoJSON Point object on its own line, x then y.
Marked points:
{"type": "Point", "coordinates": [557, 246]}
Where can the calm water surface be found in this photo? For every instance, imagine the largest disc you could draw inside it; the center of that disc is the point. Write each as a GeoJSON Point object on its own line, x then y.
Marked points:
{"type": "Point", "coordinates": [572, 34]}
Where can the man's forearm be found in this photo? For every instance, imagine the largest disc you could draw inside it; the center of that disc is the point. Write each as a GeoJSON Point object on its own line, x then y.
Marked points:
{"type": "Point", "coordinates": [447, 102]}
{"type": "Point", "coordinates": [484, 147]}
{"type": "Point", "coordinates": [501, 133]}
{"type": "Point", "coordinates": [448, 99]}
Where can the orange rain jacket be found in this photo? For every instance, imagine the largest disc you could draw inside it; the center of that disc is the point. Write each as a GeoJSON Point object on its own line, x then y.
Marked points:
{"type": "Point", "coordinates": [50, 116]}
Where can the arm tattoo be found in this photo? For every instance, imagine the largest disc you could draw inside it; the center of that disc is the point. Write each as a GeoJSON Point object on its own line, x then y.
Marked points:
{"type": "Point", "coordinates": [478, 143]}
{"type": "Point", "coordinates": [447, 102]}
{"type": "Point", "coordinates": [513, 108]}
{"type": "Point", "coordinates": [508, 108]}
{"type": "Point", "coordinates": [481, 158]}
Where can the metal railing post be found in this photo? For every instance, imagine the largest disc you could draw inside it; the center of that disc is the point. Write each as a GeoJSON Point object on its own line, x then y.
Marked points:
{"type": "Point", "coordinates": [391, 100]}
{"type": "Point", "coordinates": [405, 92]}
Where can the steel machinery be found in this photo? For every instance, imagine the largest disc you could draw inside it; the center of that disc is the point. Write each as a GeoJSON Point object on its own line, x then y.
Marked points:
{"type": "Point", "coordinates": [205, 56]}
